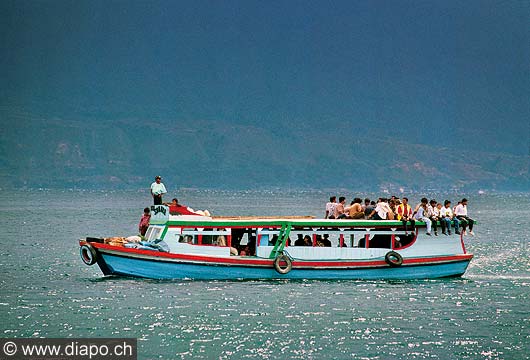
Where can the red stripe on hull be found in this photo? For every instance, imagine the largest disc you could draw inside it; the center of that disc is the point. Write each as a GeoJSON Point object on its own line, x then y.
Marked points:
{"type": "Point", "coordinates": [241, 261]}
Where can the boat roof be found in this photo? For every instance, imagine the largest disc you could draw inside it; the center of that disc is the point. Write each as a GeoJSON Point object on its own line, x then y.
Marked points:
{"type": "Point", "coordinates": [258, 221]}
{"type": "Point", "coordinates": [160, 215]}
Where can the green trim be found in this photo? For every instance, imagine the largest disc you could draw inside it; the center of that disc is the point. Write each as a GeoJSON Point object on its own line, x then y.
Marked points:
{"type": "Point", "coordinates": [164, 232]}
{"type": "Point", "coordinates": [292, 223]}
{"type": "Point", "coordinates": [282, 240]}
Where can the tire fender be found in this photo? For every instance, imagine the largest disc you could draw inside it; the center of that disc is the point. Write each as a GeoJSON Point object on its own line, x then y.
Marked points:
{"type": "Point", "coordinates": [283, 258]}
{"type": "Point", "coordinates": [393, 259]}
{"type": "Point", "coordinates": [88, 254]}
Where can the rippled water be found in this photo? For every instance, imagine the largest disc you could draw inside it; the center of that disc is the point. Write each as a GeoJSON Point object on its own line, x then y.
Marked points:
{"type": "Point", "coordinates": [46, 291]}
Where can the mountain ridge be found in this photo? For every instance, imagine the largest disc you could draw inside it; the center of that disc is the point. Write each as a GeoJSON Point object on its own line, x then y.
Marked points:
{"type": "Point", "coordinates": [53, 152]}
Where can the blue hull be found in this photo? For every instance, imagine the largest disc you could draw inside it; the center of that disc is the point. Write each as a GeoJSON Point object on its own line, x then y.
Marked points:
{"type": "Point", "coordinates": [128, 266]}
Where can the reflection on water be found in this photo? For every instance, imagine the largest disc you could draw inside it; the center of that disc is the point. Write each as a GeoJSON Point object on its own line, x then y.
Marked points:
{"type": "Point", "coordinates": [48, 292]}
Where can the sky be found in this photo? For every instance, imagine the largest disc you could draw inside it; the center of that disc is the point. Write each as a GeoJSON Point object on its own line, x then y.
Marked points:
{"type": "Point", "coordinates": [423, 70]}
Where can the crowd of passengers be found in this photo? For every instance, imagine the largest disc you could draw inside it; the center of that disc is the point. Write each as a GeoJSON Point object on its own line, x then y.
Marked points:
{"type": "Point", "coordinates": [432, 213]}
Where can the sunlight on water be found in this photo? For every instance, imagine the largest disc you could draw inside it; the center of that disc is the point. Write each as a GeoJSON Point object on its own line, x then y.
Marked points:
{"type": "Point", "coordinates": [48, 292]}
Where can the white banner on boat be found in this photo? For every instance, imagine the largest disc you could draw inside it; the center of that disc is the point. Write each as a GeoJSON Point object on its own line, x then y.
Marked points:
{"type": "Point", "coordinates": [159, 214]}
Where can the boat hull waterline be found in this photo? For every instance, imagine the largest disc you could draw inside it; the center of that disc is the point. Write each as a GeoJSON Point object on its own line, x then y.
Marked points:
{"type": "Point", "coordinates": [138, 263]}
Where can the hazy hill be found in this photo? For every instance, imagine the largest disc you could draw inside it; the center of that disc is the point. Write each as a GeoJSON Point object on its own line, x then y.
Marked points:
{"type": "Point", "coordinates": [51, 152]}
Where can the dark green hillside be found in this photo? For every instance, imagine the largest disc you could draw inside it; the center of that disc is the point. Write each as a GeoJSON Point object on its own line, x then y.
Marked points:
{"type": "Point", "coordinates": [52, 152]}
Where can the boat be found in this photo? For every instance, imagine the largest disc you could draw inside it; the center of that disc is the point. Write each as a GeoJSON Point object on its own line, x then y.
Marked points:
{"type": "Point", "coordinates": [184, 245]}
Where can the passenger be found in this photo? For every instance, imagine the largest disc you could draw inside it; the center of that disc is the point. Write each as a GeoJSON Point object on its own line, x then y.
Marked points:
{"type": "Point", "coordinates": [356, 210]}
{"type": "Point", "coordinates": [221, 241]}
{"type": "Point", "coordinates": [325, 241]}
{"type": "Point", "coordinates": [392, 214]}
{"type": "Point", "coordinates": [251, 245]}
{"type": "Point", "coordinates": [404, 214]}
{"type": "Point", "coordinates": [434, 215]}
{"type": "Point", "coordinates": [366, 205]}
{"type": "Point", "coordinates": [174, 202]}
{"type": "Point", "coordinates": [250, 248]}
{"type": "Point", "coordinates": [456, 223]}
{"type": "Point", "coordinates": [339, 209]}
{"type": "Point", "coordinates": [330, 208]}
{"type": "Point", "coordinates": [188, 239]}
{"type": "Point", "coordinates": [308, 241]}
{"type": "Point", "coordinates": [347, 210]}
{"type": "Point", "coordinates": [144, 222]}
{"type": "Point", "coordinates": [247, 251]}
{"type": "Point", "coordinates": [446, 216]}
{"type": "Point", "coordinates": [439, 207]}
{"type": "Point", "coordinates": [461, 215]}
{"type": "Point", "coordinates": [454, 207]}
{"type": "Point", "coordinates": [421, 212]}
{"type": "Point", "coordinates": [381, 211]}
{"type": "Point", "coordinates": [371, 208]}
{"type": "Point", "coordinates": [299, 241]}
{"type": "Point", "coordinates": [157, 190]}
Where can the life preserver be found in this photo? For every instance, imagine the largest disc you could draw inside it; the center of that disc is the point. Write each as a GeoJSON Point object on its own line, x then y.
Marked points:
{"type": "Point", "coordinates": [287, 260]}
{"type": "Point", "coordinates": [88, 254]}
{"type": "Point", "coordinates": [393, 259]}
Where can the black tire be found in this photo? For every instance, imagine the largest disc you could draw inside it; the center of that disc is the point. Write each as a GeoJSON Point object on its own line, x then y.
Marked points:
{"type": "Point", "coordinates": [287, 260]}
{"type": "Point", "coordinates": [393, 259]}
{"type": "Point", "coordinates": [88, 254]}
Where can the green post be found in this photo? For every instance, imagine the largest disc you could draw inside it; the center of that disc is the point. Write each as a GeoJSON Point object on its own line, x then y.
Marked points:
{"type": "Point", "coordinates": [282, 240]}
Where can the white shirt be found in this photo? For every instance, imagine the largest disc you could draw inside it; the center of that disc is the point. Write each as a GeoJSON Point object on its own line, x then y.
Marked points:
{"type": "Point", "coordinates": [461, 210]}
{"type": "Point", "coordinates": [382, 209]}
{"type": "Point", "coordinates": [446, 212]}
{"type": "Point", "coordinates": [420, 214]}
{"type": "Point", "coordinates": [430, 210]}
{"type": "Point", "coordinates": [330, 208]}
{"type": "Point", "coordinates": [434, 211]}
{"type": "Point", "coordinates": [158, 189]}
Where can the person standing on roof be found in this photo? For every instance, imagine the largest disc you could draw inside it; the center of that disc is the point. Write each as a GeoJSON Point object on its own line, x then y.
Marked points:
{"type": "Point", "coordinates": [157, 190]}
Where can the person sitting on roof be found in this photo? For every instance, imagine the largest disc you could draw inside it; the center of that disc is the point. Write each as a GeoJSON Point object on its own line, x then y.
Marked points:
{"type": "Point", "coordinates": [381, 211]}
{"type": "Point", "coordinates": [367, 208]}
{"type": "Point", "coordinates": [339, 209]}
{"type": "Point", "coordinates": [434, 215]}
{"type": "Point", "coordinates": [176, 209]}
{"type": "Point", "coordinates": [356, 210]}
{"type": "Point", "coordinates": [461, 214]}
{"type": "Point", "coordinates": [447, 216]}
{"type": "Point", "coordinates": [330, 208]}
{"type": "Point", "coordinates": [421, 212]}
{"type": "Point", "coordinates": [404, 214]}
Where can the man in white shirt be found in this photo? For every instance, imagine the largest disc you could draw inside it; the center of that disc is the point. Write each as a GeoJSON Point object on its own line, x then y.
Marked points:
{"type": "Point", "coordinates": [461, 215]}
{"type": "Point", "coordinates": [381, 210]}
{"type": "Point", "coordinates": [446, 216]}
{"type": "Point", "coordinates": [157, 190]}
{"type": "Point", "coordinates": [330, 208]}
{"type": "Point", "coordinates": [433, 215]}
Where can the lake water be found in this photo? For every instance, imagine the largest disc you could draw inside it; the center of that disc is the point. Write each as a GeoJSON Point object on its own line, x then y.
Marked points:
{"type": "Point", "coordinates": [46, 291]}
